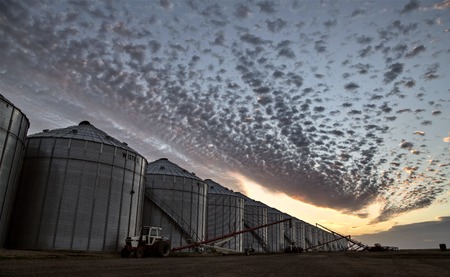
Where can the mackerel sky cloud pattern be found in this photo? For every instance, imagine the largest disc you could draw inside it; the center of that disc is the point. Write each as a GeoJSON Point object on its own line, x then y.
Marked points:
{"type": "Point", "coordinates": [339, 104]}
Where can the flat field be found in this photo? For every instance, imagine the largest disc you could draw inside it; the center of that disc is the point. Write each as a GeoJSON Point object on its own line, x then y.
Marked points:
{"type": "Point", "coordinates": [63, 263]}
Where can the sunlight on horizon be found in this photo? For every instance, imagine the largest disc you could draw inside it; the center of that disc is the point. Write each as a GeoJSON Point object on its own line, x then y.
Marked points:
{"type": "Point", "coordinates": [338, 221]}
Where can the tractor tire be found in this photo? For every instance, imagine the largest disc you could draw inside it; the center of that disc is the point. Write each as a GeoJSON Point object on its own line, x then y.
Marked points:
{"type": "Point", "coordinates": [162, 248]}
{"type": "Point", "coordinates": [139, 252]}
{"type": "Point", "coordinates": [125, 253]}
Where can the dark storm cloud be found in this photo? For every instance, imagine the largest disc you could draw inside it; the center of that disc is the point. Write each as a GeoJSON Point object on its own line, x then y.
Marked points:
{"type": "Point", "coordinates": [242, 11]}
{"type": "Point", "coordinates": [393, 72]}
{"type": "Point", "coordinates": [294, 79]}
{"type": "Point", "coordinates": [286, 52]}
{"type": "Point", "coordinates": [249, 38]}
{"type": "Point", "coordinates": [395, 29]}
{"type": "Point", "coordinates": [364, 39]}
{"type": "Point", "coordinates": [411, 6]}
{"type": "Point", "coordinates": [320, 46]}
{"type": "Point", "coordinates": [358, 12]}
{"type": "Point", "coordinates": [415, 51]}
{"type": "Point", "coordinates": [330, 23]}
{"type": "Point", "coordinates": [351, 86]}
{"type": "Point", "coordinates": [276, 25]}
{"type": "Point", "coordinates": [431, 71]}
{"type": "Point", "coordinates": [235, 97]}
{"type": "Point", "coordinates": [365, 52]}
{"type": "Point", "coordinates": [363, 68]}
{"type": "Point", "coordinates": [410, 83]}
{"type": "Point", "coordinates": [262, 90]}
{"type": "Point", "coordinates": [219, 39]}
{"type": "Point", "coordinates": [166, 4]}
{"type": "Point", "coordinates": [267, 7]}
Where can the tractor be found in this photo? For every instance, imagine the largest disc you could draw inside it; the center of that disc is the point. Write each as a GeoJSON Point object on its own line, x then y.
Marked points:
{"type": "Point", "coordinates": [148, 243]}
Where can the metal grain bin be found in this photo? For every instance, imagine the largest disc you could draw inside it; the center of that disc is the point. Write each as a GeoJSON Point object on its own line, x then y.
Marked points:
{"type": "Point", "coordinates": [13, 131]}
{"type": "Point", "coordinates": [80, 190]}
{"type": "Point", "coordinates": [176, 201]}
{"type": "Point", "coordinates": [315, 236]}
{"type": "Point", "coordinates": [225, 215]}
{"type": "Point", "coordinates": [309, 241]}
{"type": "Point", "coordinates": [295, 234]}
{"type": "Point", "coordinates": [342, 244]}
{"type": "Point", "coordinates": [275, 232]}
{"type": "Point", "coordinates": [255, 214]}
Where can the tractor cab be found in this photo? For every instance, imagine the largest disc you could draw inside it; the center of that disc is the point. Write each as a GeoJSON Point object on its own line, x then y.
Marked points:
{"type": "Point", "coordinates": [151, 234]}
{"type": "Point", "coordinates": [148, 242]}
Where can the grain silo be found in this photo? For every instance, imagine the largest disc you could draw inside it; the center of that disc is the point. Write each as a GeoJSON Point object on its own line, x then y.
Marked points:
{"type": "Point", "coordinates": [80, 189]}
{"type": "Point", "coordinates": [308, 235]}
{"type": "Point", "coordinates": [225, 215]}
{"type": "Point", "coordinates": [176, 201]}
{"type": "Point", "coordinates": [298, 233]}
{"type": "Point", "coordinates": [321, 239]}
{"type": "Point", "coordinates": [13, 130]}
{"type": "Point", "coordinates": [314, 237]}
{"type": "Point", "coordinates": [342, 244]}
{"type": "Point", "coordinates": [331, 243]}
{"type": "Point", "coordinates": [275, 233]}
{"type": "Point", "coordinates": [255, 214]}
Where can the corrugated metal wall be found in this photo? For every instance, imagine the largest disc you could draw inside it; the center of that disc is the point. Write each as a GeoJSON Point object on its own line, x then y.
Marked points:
{"type": "Point", "coordinates": [13, 130]}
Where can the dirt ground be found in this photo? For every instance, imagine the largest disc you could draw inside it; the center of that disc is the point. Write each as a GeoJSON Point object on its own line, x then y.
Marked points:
{"type": "Point", "coordinates": [63, 263]}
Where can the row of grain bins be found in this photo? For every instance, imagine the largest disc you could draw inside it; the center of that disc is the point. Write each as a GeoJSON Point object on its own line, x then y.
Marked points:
{"type": "Point", "coordinates": [77, 188]}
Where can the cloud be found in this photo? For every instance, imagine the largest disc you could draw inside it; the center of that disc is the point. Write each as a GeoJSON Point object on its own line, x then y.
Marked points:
{"type": "Point", "coordinates": [276, 25]}
{"type": "Point", "coordinates": [320, 47]}
{"type": "Point", "coordinates": [267, 7]}
{"type": "Point", "coordinates": [411, 6]}
{"type": "Point", "coordinates": [166, 4]}
{"type": "Point", "coordinates": [351, 86]}
{"type": "Point", "coordinates": [252, 39]}
{"type": "Point", "coordinates": [262, 95]}
{"type": "Point", "coordinates": [286, 52]}
{"type": "Point", "coordinates": [394, 71]}
{"type": "Point", "coordinates": [358, 12]}
{"type": "Point", "coordinates": [415, 51]}
{"type": "Point", "coordinates": [242, 11]}
{"type": "Point", "coordinates": [330, 23]}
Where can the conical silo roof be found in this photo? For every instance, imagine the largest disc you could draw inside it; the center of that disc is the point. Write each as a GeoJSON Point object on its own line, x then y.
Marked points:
{"type": "Point", "coordinates": [252, 202]}
{"type": "Point", "coordinates": [84, 131]}
{"type": "Point", "coordinates": [215, 188]}
{"type": "Point", "coordinates": [165, 167]}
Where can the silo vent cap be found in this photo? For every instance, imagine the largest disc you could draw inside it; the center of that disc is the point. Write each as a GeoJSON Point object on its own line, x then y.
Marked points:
{"type": "Point", "coordinates": [84, 122]}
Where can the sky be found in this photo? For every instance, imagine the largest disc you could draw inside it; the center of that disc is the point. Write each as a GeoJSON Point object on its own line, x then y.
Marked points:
{"type": "Point", "coordinates": [336, 112]}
